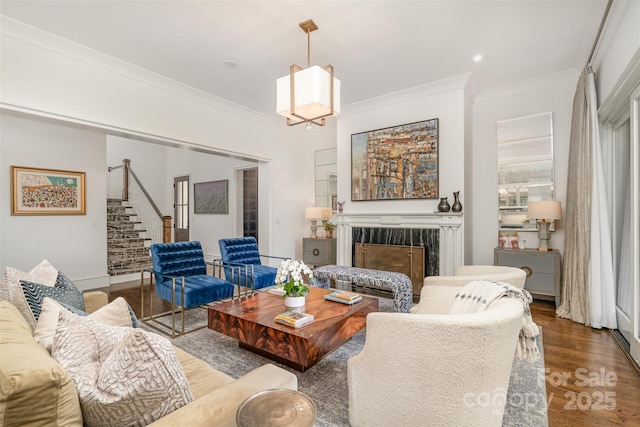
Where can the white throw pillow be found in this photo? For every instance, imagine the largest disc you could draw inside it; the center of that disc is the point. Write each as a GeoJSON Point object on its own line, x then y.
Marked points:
{"type": "Point", "coordinates": [116, 313]}
{"type": "Point", "coordinates": [124, 376]}
{"type": "Point", "coordinates": [43, 273]}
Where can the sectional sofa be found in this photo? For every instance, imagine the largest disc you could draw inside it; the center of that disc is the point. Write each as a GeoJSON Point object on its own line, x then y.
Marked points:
{"type": "Point", "coordinates": [35, 390]}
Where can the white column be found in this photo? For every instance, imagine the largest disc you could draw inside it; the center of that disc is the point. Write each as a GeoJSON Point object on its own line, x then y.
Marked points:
{"type": "Point", "coordinates": [344, 236]}
{"type": "Point", "coordinates": [450, 245]}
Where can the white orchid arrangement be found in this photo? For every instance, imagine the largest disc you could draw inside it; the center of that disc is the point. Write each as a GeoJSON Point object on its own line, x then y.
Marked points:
{"type": "Point", "coordinates": [289, 275]}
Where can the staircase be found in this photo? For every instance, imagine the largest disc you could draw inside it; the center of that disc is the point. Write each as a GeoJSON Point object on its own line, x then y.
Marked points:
{"type": "Point", "coordinates": [127, 250]}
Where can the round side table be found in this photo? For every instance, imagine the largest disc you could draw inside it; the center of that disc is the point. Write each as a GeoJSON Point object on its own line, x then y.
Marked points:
{"type": "Point", "coordinates": [276, 408]}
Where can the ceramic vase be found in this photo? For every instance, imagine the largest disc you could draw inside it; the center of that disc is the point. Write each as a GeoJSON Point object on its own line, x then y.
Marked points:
{"type": "Point", "coordinates": [443, 206]}
{"type": "Point", "coordinates": [294, 302]}
{"type": "Point", "coordinates": [457, 206]}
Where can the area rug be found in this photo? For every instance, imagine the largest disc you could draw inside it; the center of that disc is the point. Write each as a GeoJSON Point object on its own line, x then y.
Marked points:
{"type": "Point", "coordinates": [326, 382]}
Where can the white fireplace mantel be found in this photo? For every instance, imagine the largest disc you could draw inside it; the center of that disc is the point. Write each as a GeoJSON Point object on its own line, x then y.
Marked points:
{"type": "Point", "coordinates": [450, 225]}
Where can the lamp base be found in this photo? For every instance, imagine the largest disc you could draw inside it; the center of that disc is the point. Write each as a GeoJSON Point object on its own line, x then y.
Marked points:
{"type": "Point", "coordinates": [544, 235]}
{"type": "Point", "coordinates": [314, 228]}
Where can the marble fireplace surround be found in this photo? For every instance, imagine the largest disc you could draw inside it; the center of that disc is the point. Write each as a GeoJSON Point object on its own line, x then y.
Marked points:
{"type": "Point", "coordinates": [450, 226]}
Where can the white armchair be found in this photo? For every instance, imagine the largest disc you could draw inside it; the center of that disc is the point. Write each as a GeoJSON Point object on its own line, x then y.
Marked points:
{"type": "Point", "coordinates": [464, 274]}
{"type": "Point", "coordinates": [422, 368]}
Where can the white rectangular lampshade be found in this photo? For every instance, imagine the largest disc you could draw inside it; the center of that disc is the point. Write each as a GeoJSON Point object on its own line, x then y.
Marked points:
{"type": "Point", "coordinates": [327, 213]}
{"type": "Point", "coordinates": [545, 209]}
{"type": "Point", "coordinates": [313, 213]}
{"type": "Point", "coordinates": [312, 94]}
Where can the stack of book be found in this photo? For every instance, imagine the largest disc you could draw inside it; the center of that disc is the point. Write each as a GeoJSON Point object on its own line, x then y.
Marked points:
{"type": "Point", "coordinates": [344, 297]}
{"type": "Point", "coordinates": [294, 318]}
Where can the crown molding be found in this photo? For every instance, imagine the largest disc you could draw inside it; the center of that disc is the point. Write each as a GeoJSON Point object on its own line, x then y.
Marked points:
{"type": "Point", "coordinates": [34, 36]}
{"type": "Point", "coordinates": [526, 86]}
{"type": "Point", "coordinates": [417, 92]}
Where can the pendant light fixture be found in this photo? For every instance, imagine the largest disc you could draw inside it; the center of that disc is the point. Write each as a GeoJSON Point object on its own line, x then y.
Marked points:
{"type": "Point", "coordinates": [308, 95]}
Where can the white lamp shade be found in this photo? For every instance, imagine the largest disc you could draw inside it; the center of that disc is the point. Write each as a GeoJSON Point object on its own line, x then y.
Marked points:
{"type": "Point", "coordinates": [545, 209]}
{"type": "Point", "coordinates": [312, 94]}
{"type": "Point", "coordinates": [313, 213]}
{"type": "Point", "coordinates": [327, 213]}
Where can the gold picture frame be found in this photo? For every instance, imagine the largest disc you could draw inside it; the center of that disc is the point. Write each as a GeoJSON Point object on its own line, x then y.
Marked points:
{"type": "Point", "coordinates": [36, 191]}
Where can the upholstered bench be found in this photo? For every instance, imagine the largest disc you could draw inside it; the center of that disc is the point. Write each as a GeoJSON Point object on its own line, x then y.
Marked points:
{"type": "Point", "coordinates": [400, 284]}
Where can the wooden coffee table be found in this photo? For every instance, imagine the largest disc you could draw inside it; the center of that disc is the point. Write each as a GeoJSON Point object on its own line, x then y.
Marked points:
{"type": "Point", "coordinates": [250, 320]}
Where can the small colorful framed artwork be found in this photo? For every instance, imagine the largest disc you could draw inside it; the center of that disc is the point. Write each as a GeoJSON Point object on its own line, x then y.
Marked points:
{"type": "Point", "coordinates": [37, 191]}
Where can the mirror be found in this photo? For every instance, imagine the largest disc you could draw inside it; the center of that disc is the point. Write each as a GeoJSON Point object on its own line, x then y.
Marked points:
{"type": "Point", "coordinates": [525, 167]}
{"type": "Point", "coordinates": [326, 175]}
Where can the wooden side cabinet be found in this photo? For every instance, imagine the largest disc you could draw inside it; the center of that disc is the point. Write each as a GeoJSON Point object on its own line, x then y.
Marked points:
{"type": "Point", "coordinates": [318, 252]}
{"type": "Point", "coordinates": [544, 270]}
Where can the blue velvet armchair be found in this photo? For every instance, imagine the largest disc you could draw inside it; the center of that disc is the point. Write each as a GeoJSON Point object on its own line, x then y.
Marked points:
{"type": "Point", "coordinates": [181, 278]}
{"type": "Point", "coordinates": [242, 263]}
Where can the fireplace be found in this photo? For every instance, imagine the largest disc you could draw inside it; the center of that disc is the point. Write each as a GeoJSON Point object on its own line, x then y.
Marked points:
{"type": "Point", "coordinates": [412, 251]}
{"type": "Point", "coordinates": [439, 233]}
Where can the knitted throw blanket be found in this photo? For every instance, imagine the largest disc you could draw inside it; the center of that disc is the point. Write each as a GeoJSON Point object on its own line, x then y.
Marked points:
{"type": "Point", "coordinates": [476, 296]}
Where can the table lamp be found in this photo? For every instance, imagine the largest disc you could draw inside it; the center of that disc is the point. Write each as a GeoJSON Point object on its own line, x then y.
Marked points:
{"type": "Point", "coordinates": [327, 213]}
{"type": "Point", "coordinates": [544, 212]}
{"type": "Point", "coordinates": [313, 214]}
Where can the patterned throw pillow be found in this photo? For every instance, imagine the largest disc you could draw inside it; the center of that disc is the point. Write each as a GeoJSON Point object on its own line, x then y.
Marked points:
{"type": "Point", "coordinates": [124, 376]}
{"type": "Point", "coordinates": [29, 301]}
{"type": "Point", "coordinates": [43, 273]}
{"type": "Point", "coordinates": [116, 313]}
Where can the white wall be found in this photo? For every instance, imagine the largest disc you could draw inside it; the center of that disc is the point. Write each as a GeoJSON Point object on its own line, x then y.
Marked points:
{"type": "Point", "coordinates": [84, 86]}
{"type": "Point", "coordinates": [468, 205]}
{"type": "Point", "coordinates": [200, 167]}
{"type": "Point", "coordinates": [443, 100]}
{"type": "Point", "coordinates": [553, 93]}
{"type": "Point", "coordinates": [157, 165]}
{"type": "Point", "coordinates": [148, 161]}
{"type": "Point", "coordinates": [75, 244]}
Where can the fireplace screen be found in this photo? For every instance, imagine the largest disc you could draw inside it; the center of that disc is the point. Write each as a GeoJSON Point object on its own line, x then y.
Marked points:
{"type": "Point", "coordinates": [400, 259]}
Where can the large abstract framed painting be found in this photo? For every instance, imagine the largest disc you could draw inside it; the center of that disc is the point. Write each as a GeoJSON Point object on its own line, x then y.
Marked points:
{"type": "Point", "coordinates": [37, 191]}
{"type": "Point", "coordinates": [211, 197]}
{"type": "Point", "coordinates": [399, 162]}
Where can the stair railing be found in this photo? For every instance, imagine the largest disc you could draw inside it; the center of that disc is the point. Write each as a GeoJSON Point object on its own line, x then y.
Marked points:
{"type": "Point", "coordinates": [158, 226]}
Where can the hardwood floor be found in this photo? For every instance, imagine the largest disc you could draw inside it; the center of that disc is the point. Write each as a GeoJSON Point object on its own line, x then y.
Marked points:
{"type": "Point", "coordinates": [589, 381]}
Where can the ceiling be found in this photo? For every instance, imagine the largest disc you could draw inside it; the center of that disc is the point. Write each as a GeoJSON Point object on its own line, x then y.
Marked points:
{"type": "Point", "coordinates": [237, 49]}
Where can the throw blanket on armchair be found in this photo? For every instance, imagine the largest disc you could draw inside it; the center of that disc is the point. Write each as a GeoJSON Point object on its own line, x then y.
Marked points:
{"type": "Point", "coordinates": [478, 295]}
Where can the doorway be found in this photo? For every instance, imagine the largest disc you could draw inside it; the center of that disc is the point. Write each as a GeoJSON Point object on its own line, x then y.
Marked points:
{"type": "Point", "coordinates": [250, 202]}
{"type": "Point", "coordinates": [181, 209]}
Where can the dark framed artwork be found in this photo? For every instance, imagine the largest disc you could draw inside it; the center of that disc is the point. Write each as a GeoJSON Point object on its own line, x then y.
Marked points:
{"type": "Point", "coordinates": [211, 197]}
{"type": "Point", "coordinates": [399, 162]}
{"type": "Point", "coordinates": [36, 191]}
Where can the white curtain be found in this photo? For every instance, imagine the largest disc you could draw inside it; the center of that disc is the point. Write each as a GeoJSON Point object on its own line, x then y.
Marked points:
{"type": "Point", "coordinates": [588, 294]}
{"type": "Point", "coordinates": [601, 282]}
